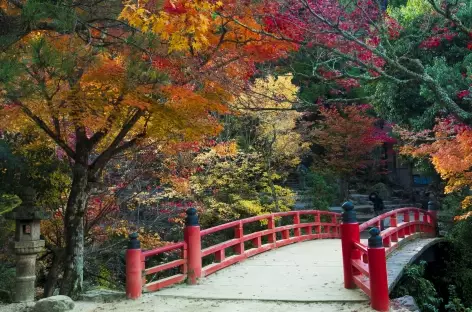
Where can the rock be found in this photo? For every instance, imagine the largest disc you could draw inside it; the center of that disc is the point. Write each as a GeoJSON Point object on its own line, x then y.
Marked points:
{"type": "Point", "coordinates": [103, 295]}
{"type": "Point", "coordinates": [54, 304]}
{"type": "Point", "coordinates": [405, 303]}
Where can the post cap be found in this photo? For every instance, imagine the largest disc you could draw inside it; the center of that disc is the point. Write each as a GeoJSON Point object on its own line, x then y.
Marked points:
{"type": "Point", "coordinates": [349, 214]}
{"type": "Point", "coordinates": [133, 242]}
{"type": "Point", "coordinates": [375, 240]}
{"type": "Point", "coordinates": [192, 217]}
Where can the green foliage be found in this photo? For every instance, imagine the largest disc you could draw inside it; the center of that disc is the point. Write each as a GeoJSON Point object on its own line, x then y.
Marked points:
{"type": "Point", "coordinates": [410, 11]}
{"type": "Point", "coordinates": [7, 282]}
{"type": "Point", "coordinates": [460, 265]}
{"type": "Point", "coordinates": [454, 304]}
{"type": "Point", "coordinates": [8, 202]}
{"type": "Point", "coordinates": [415, 284]}
{"type": "Point", "coordinates": [238, 186]}
{"type": "Point", "coordinates": [322, 188]}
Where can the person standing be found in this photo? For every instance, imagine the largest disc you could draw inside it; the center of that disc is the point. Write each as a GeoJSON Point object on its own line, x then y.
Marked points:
{"type": "Point", "coordinates": [378, 206]}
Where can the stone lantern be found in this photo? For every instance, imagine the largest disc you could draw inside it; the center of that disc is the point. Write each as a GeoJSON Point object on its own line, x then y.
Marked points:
{"type": "Point", "coordinates": [27, 244]}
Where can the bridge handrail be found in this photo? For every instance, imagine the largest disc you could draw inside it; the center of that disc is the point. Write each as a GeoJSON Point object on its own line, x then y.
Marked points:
{"type": "Point", "coordinates": [366, 266]}
{"type": "Point", "coordinates": [322, 230]}
{"type": "Point", "coordinates": [189, 263]}
{"type": "Point", "coordinates": [383, 216]}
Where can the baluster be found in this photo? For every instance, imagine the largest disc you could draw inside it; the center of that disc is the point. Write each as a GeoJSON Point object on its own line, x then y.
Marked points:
{"type": "Point", "coordinates": [296, 221]}
{"type": "Point", "coordinates": [318, 220]}
{"type": "Point", "coordinates": [271, 226]}
{"type": "Point", "coordinates": [417, 218]}
{"type": "Point", "coordinates": [393, 223]}
{"type": "Point", "coordinates": [239, 233]}
{"type": "Point", "coordinates": [406, 219]}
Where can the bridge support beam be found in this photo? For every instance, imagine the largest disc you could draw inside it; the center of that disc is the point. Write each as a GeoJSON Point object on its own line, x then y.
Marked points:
{"type": "Point", "coordinates": [349, 235]}
{"type": "Point", "coordinates": [194, 246]}
{"type": "Point", "coordinates": [378, 272]}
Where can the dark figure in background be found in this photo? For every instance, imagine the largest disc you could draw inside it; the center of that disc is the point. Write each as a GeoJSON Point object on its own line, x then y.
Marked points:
{"type": "Point", "coordinates": [378, 206]}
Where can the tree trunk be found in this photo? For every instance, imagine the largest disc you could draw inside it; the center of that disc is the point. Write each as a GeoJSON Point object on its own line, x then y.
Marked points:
{"type": "Point", "coordinates": [53, 274]}
{"type": "Point", "coordinates": [74, 233]}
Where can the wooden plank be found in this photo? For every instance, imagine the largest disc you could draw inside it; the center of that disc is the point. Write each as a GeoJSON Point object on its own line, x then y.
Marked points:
{"type": "Point", "coordinates": [212, 268]}
{"type": "Point", "coordinates": [165, 282]}
{"type": "Point", "coordinates": [212, 249]}
{"type": "Point", "coordinates": [165, 266]}
{"type": "Point", "coordinates": [363, 283]}
{"type": "Point", "coordinates": [160, 250]}
{"type": "Point", "coordinates": [361, 266]}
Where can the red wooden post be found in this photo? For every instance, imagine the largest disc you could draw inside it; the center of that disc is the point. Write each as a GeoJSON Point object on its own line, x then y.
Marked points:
{"type": "Point", "coordinates": [393, 223]}
{"type": "Point", "coordinates": [296, 221]}
{"type": "Point", "coordinates": [378, 272]}
{"type": "Point", "coordinates": [349, 235]}
{"type": "Point", "coordinates": [272, 238]}
{"type": "Point", "coordinates": [239, 233]}
{"type": "Point", "coordinates": [406, 219]}
{"type": "Point", "coordinates": [134, 268]}
{"type": "Point", "coordinates": [194, 246]}
{"type": "Point", "coordinates": [433, 211]}
{"type": "Point", "coordinates": [417, 218]}
{"type": "Point", "coordinates": [318, 228]}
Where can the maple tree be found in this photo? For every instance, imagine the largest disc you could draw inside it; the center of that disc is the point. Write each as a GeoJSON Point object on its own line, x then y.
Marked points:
{"type": "Point", "coordinates": [85, 82]}
{"type": "Point", "coordinates": [347, 137]}
{"type": "Point", "coordinates": [448, 146]}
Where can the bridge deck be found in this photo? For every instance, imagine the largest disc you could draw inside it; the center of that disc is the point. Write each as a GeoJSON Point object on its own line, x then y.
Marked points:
{"type": "Point", "coordinates": [305, 272]}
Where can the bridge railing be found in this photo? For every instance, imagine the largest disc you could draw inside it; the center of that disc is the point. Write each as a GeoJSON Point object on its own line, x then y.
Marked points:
{"type": "Point", "coordinates": [296, 226]}
{"type": "Point", "coordinates": [366, 266]}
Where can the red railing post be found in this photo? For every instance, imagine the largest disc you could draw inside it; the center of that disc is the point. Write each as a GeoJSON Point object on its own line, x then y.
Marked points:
{"type": "Point", "coordinates": [296, 221]}
{"type": "Point", "coordinates": [378, 272]}
{"type": "Point", "coordinates": [433, 211]}
{"type": "Point", "coordinates": [406, 219]}
{"type": "Point", "coordinates": [394, 223]}
{"type": "Point", "coordinates": [271, 238]}
{"type": "Point", "coordinates": [134, 268]}
{"type": "Point", "coordinates": [349, 235]}
{"type": "Point", "coordinates": [194, 246]}
{"type": "Point", "coordinates": [239, 233]}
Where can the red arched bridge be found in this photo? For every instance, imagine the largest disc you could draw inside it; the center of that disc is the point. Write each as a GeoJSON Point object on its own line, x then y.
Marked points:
{"type": "Point", "coordinates": [332, 264]}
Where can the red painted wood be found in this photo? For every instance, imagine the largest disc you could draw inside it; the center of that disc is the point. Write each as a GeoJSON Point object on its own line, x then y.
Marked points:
{"type": "Point", "coordinates": [349, 236]}
{"type": "Point", "coordinates": [220, 255]}
{"type": "Point", "coordinates": [254, 251]}
{"type": "Point", "coordinates": [285, 234]}
{"type": "Point", "coordinates": [212, 268]}
{"type": "Point", "coordinates": [360, 246]}
{"type": "Point", "coordinates": [238, 234]}
{"type": "Point", "coordinates": [220, 246]}
{"type": "Point", "coordinates": [378, 279]}
{"type": "Point", "coordinates": [257, 242]}
{"type": "Point", "coordinates": [386, 241]}
{"type": "Point", "coordinates": [363, 283]}
{"type": "Point", "coordinates": [271, 226]}
{"type": "Point", "coordinates": [194, 253]}
{"type": "Point", "coordinates": [134, 285]}
{"type": "Point", "coordinates": [165, 282]}
{"type": "Point", "coordinates": [160, 250]}
{"type": "Point", "coordinates": [165, 266]}
{"type": "Point", "coordinates": [406, 219]}
{"type": "Point", "coordinates": [296, 221]}
{"type": "Point", "coordinates": [361, 266]}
